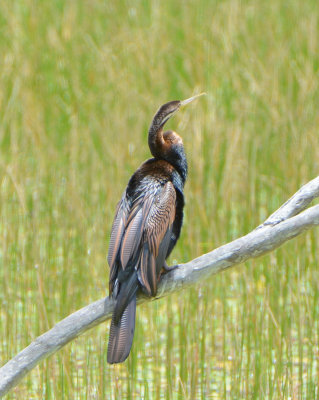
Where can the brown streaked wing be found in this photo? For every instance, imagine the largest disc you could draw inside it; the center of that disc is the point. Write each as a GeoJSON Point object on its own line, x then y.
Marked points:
{"type": "Point", "coordinates": [147, 270]}
{"type": "Point", "coordinates": [135, 226]}
{"type": "Point", "coordinates": [127, 230]}
{"type": "Point", "coordinates": [117, 231]}
{"type": "Point", "coordinates": [159, 220]}
{"type": "Point", "coordinates": [131, 238]}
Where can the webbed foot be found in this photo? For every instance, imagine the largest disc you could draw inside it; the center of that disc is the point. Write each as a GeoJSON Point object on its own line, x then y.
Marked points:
{"type": "Point", "coordinates": [166, 268]}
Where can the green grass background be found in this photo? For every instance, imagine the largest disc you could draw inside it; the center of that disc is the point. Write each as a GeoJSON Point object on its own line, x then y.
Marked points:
{"type": "Point", "coordinates": [79, 84]}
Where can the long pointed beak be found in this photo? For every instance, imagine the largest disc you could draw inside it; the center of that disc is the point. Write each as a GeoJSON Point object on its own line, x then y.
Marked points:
{"type": "Point", "coordinates": [187, 101]}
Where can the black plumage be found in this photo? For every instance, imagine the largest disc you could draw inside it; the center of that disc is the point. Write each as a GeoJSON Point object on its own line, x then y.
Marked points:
{"type": "Point", "coordinates": [146, 228]}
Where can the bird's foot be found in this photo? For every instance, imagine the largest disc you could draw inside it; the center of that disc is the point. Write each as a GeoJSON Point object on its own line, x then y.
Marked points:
{"type": "Point", "coordinates": [167, 269]}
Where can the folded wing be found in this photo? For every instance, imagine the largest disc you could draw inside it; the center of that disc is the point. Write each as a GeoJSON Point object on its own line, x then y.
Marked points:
{"type": "Point", "coordinates": [141, 235]}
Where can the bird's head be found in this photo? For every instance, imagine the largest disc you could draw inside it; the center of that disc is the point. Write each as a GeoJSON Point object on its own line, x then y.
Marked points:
{"type": "Point", "coordinates": [168, 145]}
{"type": "Point", "coordinates": [167, 110]}
{"type": "Point", "coordinates": [164, 113]}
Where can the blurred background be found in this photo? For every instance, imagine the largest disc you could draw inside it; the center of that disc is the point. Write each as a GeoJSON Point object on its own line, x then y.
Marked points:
{"type": "Point", "coordinates": [79, 84]}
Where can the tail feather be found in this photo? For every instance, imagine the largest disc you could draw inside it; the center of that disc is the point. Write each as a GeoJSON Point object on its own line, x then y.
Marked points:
{"type": "Point", "coordinates": [121, 334]}
{"type": "Point", "coordinates": [127, 291]}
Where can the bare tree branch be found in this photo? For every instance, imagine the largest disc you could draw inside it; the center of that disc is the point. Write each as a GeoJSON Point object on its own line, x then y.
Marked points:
{"type": "Point", "coordinates": [297, 203]}
{"type": "Point", "coordinates": [287, 222]}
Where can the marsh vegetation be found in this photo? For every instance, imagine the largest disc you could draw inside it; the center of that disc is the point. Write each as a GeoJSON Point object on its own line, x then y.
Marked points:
{"type": "Point", "coordinates": [79, 84]}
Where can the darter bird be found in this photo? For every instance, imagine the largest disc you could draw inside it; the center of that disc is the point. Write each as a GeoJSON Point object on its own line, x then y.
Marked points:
{"type": "Point", "coordinates": [146, 227]}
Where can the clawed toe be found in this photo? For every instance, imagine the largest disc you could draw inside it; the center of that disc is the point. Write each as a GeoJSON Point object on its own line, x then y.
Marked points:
{"type": "Point", "coordinates": [166, 268]}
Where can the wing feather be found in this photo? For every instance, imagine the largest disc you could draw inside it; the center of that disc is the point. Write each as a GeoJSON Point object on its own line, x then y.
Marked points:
{"type": "Point", "coordinates": [158, 223]}
{"type": "Point", "coordinates": [117, 231]}
{"type": "Point", "coordinates": [141, 232]}
{"type": "Point", "coordinates": [131, 239]}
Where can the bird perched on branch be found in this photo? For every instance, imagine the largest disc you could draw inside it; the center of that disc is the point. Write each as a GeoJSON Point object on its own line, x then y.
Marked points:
{"type": "Point", "coordinates": [146, 227]}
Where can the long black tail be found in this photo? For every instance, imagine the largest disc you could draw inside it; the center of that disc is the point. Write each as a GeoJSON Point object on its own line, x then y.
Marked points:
{"type": "Point", "coordinates": [123, 322]}
{"type": "Point", "coordinates": [121, 335]}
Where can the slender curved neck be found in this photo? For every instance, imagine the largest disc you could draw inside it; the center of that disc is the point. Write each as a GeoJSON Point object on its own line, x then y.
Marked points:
{"type": "Point", "coordinates": [175, 155]}
{"type": "Point", "coordinates": [155, 136]}
{"type": "Point", "coordinates": [181, 165]}
{"type": "Point", "coordinates": [162, 144]}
